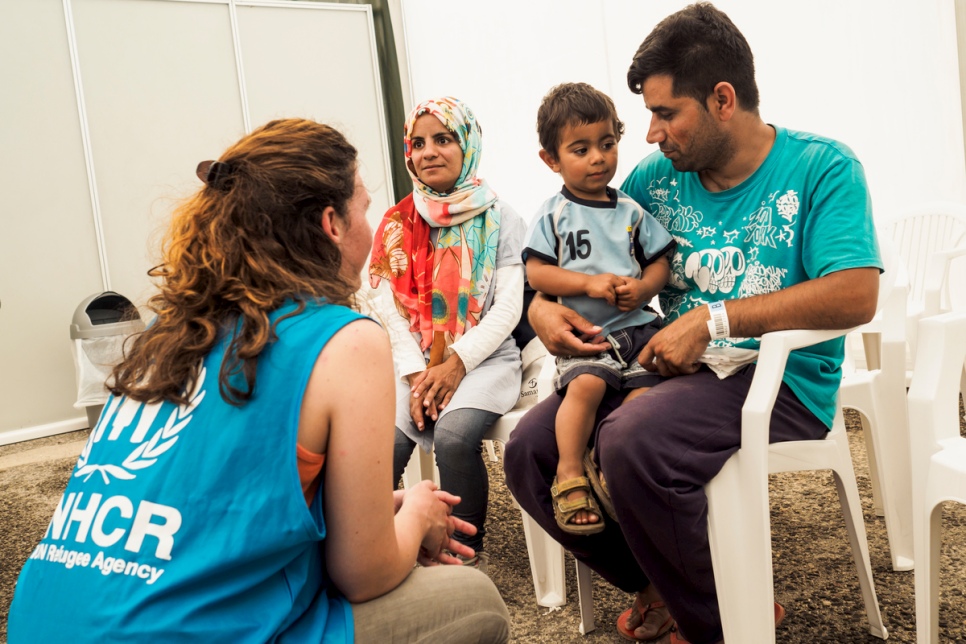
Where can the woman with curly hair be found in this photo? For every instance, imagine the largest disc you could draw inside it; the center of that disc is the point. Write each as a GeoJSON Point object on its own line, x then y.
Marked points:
{"type": "Point", "coordinates": [236, 487]}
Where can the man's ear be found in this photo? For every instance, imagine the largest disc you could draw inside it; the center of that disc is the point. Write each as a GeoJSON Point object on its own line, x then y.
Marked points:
{"type": "Point", "coordinates": [550, 160]}
{"type": "Point", "coordinates": [723, 102]}
{"type": "Point", "coordinates": [332, 225]}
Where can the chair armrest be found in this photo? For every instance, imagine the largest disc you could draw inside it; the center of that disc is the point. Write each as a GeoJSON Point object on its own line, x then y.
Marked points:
{"type": "Point", "coordinates": [937, 270]}
{"type": "Point", "coordinates": [775, 347]}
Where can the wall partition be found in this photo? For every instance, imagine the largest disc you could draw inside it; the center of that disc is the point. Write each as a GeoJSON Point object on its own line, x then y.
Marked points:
{"type": "Point", "coordinates": [107, 107]}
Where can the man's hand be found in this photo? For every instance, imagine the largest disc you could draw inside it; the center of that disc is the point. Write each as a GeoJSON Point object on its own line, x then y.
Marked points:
{"type": "Point", "coordinates": [604, 287]}
{"type": "Point", "coordinates": [675, 349]}
{"type": "Point", "coordinates": [564, 332]}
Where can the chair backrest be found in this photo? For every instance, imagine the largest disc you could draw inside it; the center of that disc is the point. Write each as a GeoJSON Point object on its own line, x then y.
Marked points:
{"type": "Point", "coordinates": [892, 273]}
{"type": "Point", "coordinates": [927, 229]}
{"type": "Point", "coordinates": [934, 394]}
{"type": "Point", "coordinates": [889, 324]}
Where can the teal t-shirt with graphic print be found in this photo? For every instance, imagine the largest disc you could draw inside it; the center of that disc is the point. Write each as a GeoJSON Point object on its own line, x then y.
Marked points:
{"type": "Point", "coordinates": [805, 212]}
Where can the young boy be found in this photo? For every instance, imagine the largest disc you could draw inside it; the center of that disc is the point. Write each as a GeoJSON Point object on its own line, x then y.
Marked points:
{"type": "Point", "coordinates": [603, 255]}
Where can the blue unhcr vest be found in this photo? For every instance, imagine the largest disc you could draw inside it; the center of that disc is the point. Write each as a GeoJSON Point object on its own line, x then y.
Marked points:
{"type": "Point", "coordinates": [187, 523]}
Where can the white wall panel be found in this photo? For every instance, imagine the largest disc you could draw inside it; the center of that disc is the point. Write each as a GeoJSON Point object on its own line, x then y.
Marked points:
{"type": "Point", "coordinates": [161, 90]}
{"type": "Point", "coordinates": [297, 64]}
{"type": "Point", "coordinates": [881, 78]}
{"type": "Point", "coordinates": [94, 174]}
{"type": "Point", "coordinates": [48, 252]}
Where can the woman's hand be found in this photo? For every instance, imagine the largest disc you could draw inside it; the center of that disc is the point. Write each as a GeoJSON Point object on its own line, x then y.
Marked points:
{"type": "Point", "coordinates": [415, 404]}
{"type": "Point", "coordinates": [397, 500]}
{"type": "Point", "coordinates": [434, 388]}
{"type": "Point", "coordinates": [436, 507]}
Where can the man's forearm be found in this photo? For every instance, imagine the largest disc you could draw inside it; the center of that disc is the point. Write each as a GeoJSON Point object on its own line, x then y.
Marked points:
{"type": "Point", "coordinates": [839, 300]}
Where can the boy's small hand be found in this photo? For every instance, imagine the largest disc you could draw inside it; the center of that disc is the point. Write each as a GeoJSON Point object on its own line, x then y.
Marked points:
{"type": "Point", "coordinates": [604, 287]}
{"type": "Point", "coordinates": [631, 294]}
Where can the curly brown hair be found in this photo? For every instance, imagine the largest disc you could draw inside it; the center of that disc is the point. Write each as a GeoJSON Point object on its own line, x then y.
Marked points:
{"type": "Point", "coordinates": [237, 250]}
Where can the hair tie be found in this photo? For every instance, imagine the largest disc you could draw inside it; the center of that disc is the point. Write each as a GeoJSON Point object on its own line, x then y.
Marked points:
{"type": "Point", "coordinates": [216, 174]}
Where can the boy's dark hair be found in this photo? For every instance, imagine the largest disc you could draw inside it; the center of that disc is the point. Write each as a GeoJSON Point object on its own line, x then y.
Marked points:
{"type": "Point", "coordinates": [698, 47]}
{"type": "Point", "coordinates": [573, 104]}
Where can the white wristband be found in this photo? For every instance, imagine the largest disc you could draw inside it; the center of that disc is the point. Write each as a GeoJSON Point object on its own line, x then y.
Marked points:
{"type": "Point", "coordinates": [718, 325]}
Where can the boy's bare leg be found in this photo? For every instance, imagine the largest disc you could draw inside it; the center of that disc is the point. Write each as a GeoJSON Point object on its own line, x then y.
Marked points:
{"type": "Point", "coordinates": [634, 393]}
{"type": "Point", "coordinates": [574, 424]}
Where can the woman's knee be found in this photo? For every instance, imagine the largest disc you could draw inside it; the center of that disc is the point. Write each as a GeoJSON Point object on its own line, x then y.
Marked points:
{"type": "Point", "coordinates": [461, 431]}
{"type": "Point", "coordinates": [401, 453]}
{"type": "Point", "coordinates": [483, 616]}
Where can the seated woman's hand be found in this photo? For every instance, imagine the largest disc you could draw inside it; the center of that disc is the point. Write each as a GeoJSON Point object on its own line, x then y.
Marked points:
{"type": "Point", "coordinates": [434, 388]}
{"type": "Point", "coordinates": [415, 403]}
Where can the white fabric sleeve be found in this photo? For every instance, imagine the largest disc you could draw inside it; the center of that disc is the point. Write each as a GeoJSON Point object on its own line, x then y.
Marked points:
{"type": "Point", "coordinates": [406, 354]}
{"type": "Point", "coordinates": [478, 343]}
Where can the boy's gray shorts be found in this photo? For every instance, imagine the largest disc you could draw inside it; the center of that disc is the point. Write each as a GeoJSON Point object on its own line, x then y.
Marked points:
{"type": "Point", "coordinates": [626, 345]}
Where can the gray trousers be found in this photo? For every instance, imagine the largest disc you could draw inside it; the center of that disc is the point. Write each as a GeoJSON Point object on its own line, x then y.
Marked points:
{"type": "Point", "coordinates": [440, 604]}
{"type": "Point", "coordinates": [657, 452]}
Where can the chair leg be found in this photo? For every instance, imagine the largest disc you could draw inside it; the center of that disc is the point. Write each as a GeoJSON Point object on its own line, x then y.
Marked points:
{"type": "Point", "coordinates": [848, 492]}
{"type": "Point", "coordinates": [546, 564]}
{"type": "Point", "coordinates": [874, 476]}
{"type": "Point", "coordinates": [892, 449]}
{"type": "Point", "coordinates": [739, 532]}
{"type": "Point", "coordinates": [585, 596]}
{"type": "Point", "coordinates": [490, 450]}
{"type": "Point", "coordinates": [413, 473]}
{"type": "Point", "coordinates": [928, 543]}
{"type": "Point", "coordinates": [889, 474]}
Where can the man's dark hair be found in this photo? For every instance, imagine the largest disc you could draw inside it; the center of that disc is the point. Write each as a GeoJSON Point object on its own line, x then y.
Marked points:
{"type": "Point", "coordinates": [698, 47]}
{"type": "Point", "coordinates": [573, 104]}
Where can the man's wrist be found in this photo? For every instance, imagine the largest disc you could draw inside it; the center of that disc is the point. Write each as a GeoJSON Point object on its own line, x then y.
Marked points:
{"type": "Point", "coordinates": [718, 326]}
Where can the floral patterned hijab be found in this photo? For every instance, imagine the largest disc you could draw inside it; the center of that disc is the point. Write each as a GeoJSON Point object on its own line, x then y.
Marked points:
{"type": "Point", "coordinates": [440, 288]}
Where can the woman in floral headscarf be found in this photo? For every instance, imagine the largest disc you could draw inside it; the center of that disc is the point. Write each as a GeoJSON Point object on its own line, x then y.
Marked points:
{"type": "Point", "coordinates": [448, 258]}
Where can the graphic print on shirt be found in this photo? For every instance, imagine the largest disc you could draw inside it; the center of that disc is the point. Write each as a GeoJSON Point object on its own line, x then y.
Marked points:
{"type": "Point", "coordinates": [147, 451]}
{"type": "Point", "coordinates": [722, 257]}
{"type": "Point", "coordinates": [85, 520]}
{"type": "Point", "coordinates": [677, 218]}
{"type": "Point", "coordinates": [714, 269]}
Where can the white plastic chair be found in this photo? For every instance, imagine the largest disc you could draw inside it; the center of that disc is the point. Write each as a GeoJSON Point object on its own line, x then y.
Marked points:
{"type": "Point", "coordinates": [938, 453]}
{"type": "Point", "coordinates": [928, 239]}
{"type": "Point", "coordinates": [546, 555]}
{"type": "Point", "coordinates": [878, 393]}
{"type": "Point", "coordinates": [739, 521]}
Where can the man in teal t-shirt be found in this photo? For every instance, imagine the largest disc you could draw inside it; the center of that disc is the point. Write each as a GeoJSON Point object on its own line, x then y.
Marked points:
{"type": "Point", "coordinates": [774, 231]}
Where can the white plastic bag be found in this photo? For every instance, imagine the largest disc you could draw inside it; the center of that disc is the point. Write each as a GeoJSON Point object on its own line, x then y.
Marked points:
{"type": "Point", "coordinates": [94, 359]}
{"type": "Point", "coordinates": [532, 356]}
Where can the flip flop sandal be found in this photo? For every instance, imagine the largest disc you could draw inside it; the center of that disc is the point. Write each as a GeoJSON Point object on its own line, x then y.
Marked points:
{"type": "Point", "coordinates": [779, 616]}
{"type": "Point", "coordinates": [564, 510]}
{"type": "Point", "coordinates": [628, 633]}
{"type": "Point", "coordinates": [600, 488]}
